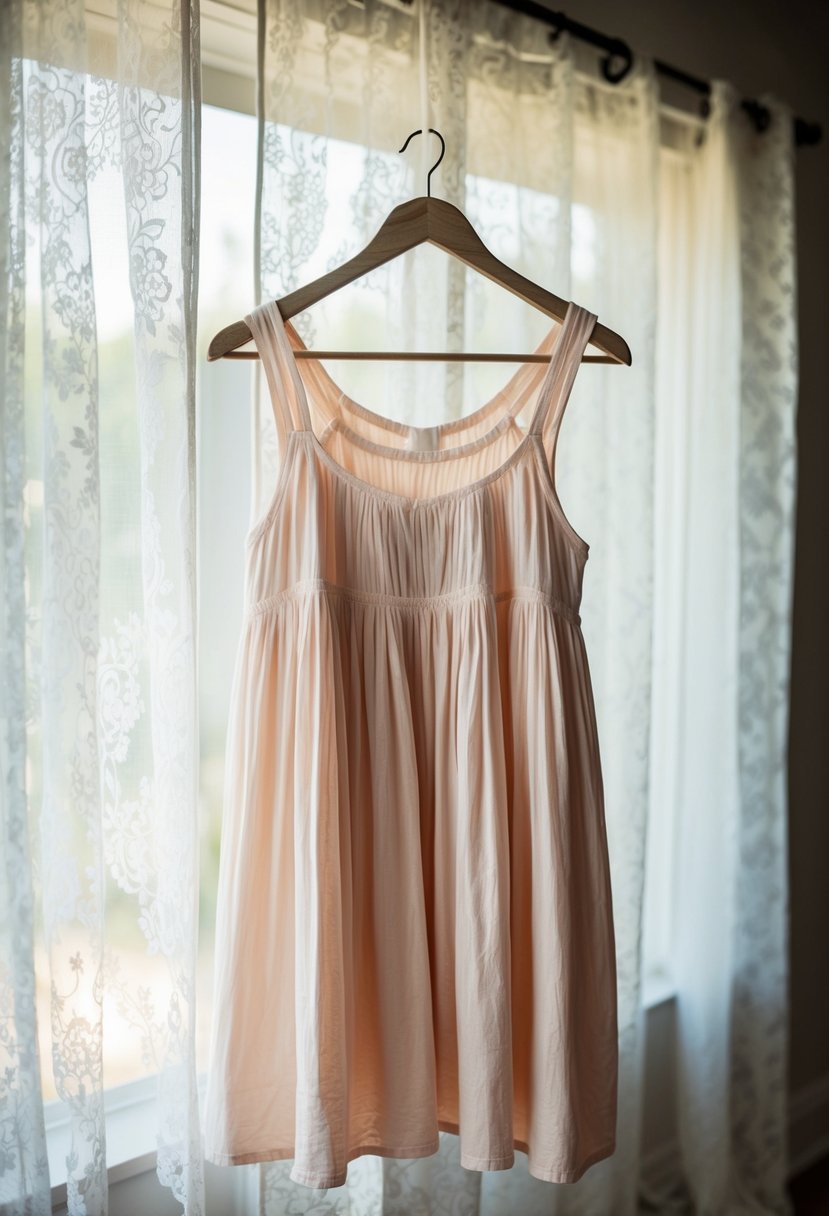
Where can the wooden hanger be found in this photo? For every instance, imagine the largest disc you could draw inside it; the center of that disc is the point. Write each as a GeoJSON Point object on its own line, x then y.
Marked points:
{"type": "Point", "coordinates": [407, 225]}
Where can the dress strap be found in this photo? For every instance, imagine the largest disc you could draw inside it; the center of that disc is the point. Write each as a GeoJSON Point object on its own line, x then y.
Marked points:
{"type": "Point", "coordinates": [575, 333]}
{"type": "Point", "coordinates": [287, 392]}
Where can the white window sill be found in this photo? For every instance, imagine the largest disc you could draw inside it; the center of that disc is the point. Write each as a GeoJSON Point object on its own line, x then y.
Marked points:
{"type": "Point", "coordinates": [130, 1113]}
{"type": "Point", "coordinates": [658, 986]}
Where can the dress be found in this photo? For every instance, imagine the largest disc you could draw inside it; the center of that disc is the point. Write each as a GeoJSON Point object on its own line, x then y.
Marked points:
{"type": "Point", "coordinates": [414, 926]}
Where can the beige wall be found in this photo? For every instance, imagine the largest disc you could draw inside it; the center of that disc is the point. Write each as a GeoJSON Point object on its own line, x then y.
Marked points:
{"type": "Point", "coordinates": [762, 46]}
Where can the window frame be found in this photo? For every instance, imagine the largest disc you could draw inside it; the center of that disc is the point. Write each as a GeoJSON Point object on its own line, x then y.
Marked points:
{"type": "Point", "coordinates": [228, 51]}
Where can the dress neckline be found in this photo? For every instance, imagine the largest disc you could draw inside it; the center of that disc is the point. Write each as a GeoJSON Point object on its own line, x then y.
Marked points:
{"type": "Point", "coordinates": [434, 500]}
{"type": "Point", "coordinates": [531, 370]}
{"type": "Point", "coordinates": [421, 455]}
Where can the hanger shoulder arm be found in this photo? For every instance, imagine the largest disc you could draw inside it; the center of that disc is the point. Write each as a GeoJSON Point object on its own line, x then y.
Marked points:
{"type": "Point", "coordinates": [611, 343]}
{"type": "Point", "coordinates": [403, 228]}
{"type": "Point", "coordinates": [228, 339]}
{"type": "Point", "coordinates": [451, 231]}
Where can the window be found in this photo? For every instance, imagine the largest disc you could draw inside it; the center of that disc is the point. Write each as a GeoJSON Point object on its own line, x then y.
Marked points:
{"type": "Point", "coordinates": [223, 389]}
{"type": "Point", "coordinates": [226, 290]}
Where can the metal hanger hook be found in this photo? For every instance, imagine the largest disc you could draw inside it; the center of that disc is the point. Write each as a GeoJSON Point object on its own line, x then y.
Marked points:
{"type": "Point", "coordinates": [419, 131]}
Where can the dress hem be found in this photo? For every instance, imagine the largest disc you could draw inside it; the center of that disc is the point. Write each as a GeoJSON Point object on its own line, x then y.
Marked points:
{"type": "Point", "coordinates": [323, 1182]}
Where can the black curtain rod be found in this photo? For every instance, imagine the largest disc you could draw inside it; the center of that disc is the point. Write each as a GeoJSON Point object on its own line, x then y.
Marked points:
{"type": "Point", "coordinates": [618, 61]}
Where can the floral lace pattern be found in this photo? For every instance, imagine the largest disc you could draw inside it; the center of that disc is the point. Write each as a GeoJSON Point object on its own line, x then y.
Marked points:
{"type": "Point", "coordinates": [22, 1129]}
{"type": "Point", "coordinates": [99, 706]}
{"type": "Point", "coordinates": [767, 499]}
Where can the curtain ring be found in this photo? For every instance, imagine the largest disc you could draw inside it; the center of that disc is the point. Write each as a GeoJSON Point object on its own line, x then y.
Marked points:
{"type": "Point", "coordinates": [557, 22]}
{"type": "Point", "coordinates": [617, 49]}
{"type": "Point", "coordinates": [759, 114]}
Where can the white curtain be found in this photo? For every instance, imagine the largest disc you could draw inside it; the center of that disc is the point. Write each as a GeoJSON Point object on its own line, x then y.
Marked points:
{"type": "Point", "coordinates": [98, 724]}
{"type": "Point", "coordinates": [679, 471]}
{"type": "Point", "coordinates": [724, 600]}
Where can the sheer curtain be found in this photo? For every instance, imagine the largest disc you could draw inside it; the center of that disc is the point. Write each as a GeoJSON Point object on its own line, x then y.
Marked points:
{"type": "Point", "coordinates": [98, 727]}
{"type": "Point", "coordinates": [724, 597]}
{"type": "Point", "coordinates": [678, 470]}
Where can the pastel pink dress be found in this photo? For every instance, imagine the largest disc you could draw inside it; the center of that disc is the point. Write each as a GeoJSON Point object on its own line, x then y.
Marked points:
{"type": "Point", "coordinates": [414, 926]}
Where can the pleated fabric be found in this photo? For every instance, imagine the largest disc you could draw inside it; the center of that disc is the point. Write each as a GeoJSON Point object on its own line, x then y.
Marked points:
{"type": "Point", "coordinates": [414, 926]}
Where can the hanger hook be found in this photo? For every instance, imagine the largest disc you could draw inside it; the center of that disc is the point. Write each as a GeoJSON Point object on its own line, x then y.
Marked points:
{"type": "Point", "coordinates": [419, 131]}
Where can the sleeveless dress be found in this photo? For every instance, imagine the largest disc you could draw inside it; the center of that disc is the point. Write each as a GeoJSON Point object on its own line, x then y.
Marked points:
{"type": "Point", "coordinates": [414, 925]}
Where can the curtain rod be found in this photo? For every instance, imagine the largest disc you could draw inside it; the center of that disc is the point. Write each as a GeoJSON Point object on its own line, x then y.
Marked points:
{"type": "Point", "coordinates": [805, 132]}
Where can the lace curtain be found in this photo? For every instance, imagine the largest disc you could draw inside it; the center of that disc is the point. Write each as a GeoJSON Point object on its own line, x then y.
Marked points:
{"type": "Point", "coordinates": [98, 746]}
{"type": "Point", "coordinates": [678, 470]}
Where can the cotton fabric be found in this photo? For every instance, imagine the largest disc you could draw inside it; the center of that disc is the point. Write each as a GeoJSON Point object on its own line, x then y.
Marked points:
{"type": "Point", "coordinates": [414, 926]}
